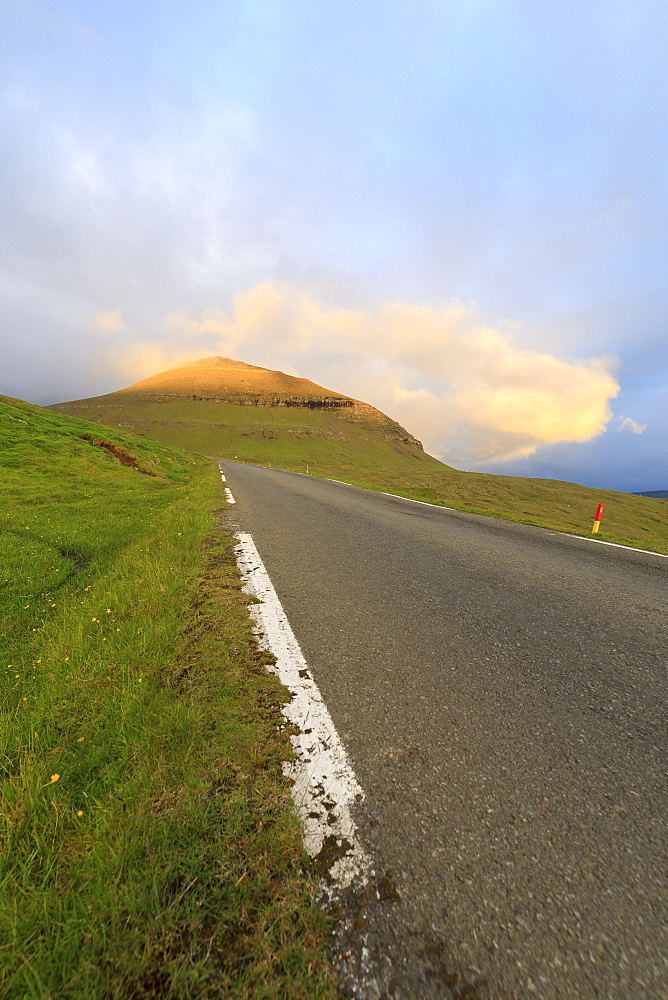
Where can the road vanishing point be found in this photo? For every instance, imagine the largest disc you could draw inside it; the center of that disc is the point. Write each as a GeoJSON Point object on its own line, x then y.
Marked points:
{"type": "Point", "coordinates": [500, 690]}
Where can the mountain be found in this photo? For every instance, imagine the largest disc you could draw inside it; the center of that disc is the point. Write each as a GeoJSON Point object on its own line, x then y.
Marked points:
{"type": "Point", "coordinates": [657, 494]}
{"type": "Point", "coordinates": [230, 409]}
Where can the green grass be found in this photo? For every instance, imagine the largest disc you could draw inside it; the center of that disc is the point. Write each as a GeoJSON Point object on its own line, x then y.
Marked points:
{"type": "Point", "coordinates": [286, 437]}
{"type": "Point", "coordinates": [149, 846]}
{"type": "Point", "coordinates": [361, 453]}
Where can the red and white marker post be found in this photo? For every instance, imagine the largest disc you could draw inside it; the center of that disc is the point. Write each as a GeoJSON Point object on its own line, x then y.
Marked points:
{"type": "Point", "coordinates": [597, 520]}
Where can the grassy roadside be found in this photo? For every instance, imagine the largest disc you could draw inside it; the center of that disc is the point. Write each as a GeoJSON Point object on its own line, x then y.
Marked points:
{"type": "Point", "coordinates": [149, 848]}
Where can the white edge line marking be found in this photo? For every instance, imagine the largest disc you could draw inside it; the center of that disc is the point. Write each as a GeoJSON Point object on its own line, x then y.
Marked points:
{"type": "Point", "coordinates": [324, 783]}
{"type": "Point", "coordinates": [228, 494]}
{"type": "Point", "coordinates": [423, 503]}
{"type": "Point", "coordinates": [615, 545]}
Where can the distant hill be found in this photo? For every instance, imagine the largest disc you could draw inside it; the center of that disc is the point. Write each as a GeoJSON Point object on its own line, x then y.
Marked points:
{"type": "Point", "coordinates": [229, 409]}
{"type": "Point", "coordinates": [657, 494]}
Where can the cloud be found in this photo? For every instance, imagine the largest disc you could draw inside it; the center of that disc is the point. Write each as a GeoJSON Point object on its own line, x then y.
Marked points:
{"type": "Point", "coordinates": [140, 360]}
{"type": "Point", "coordinates": [629, 424]}
{"type": "Point", "coordinates": [463, 386]}
{"type": "Point", "coordinates": [109, 321]}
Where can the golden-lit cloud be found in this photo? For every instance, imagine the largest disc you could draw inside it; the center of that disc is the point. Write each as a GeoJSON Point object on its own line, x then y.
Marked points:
{"type": "Point", "coordinates": [464, 387]}
{"type": "Point", "coordinates": [138, 361]}
{"type": "Point", "coordinates": [109, 321]}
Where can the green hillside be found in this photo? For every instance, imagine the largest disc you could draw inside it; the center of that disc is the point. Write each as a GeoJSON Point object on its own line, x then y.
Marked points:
{"type": "Point", "coordinates": [228, 409]}
{"type": "Point", "coordinates": [149, 848]}
{"type": "Point", "coordinates": [285, 437]}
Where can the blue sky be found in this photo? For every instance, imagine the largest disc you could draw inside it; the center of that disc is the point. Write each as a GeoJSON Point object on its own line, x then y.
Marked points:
{"type": "Point", "coordinates": [455, 210]}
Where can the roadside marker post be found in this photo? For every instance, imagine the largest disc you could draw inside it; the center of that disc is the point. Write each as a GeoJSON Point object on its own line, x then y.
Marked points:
{"type": "Point", "coordinates": [597, 520]}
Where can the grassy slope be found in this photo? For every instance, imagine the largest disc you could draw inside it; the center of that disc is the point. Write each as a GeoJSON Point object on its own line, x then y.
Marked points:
{"type": "Point", "coordinates": [291, 438]}
{"type": "Point", "coordinates": [149, 849]}
{"type": "Point", "coordinates": [287, 437]}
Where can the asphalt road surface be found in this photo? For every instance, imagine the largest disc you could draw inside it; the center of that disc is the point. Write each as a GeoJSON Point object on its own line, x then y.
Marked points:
{"type": "Point", "coordinates": [501, 692]}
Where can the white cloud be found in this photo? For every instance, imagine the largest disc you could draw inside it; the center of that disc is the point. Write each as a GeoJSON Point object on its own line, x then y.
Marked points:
{"type": "Point", "coordinates": [629, 424]}
{"type": "Point", "coordinates": [464, 387]}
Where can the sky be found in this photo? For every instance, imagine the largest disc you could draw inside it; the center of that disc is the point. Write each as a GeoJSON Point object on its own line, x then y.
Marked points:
{"type": "Point", "coordinates": [456, 210]}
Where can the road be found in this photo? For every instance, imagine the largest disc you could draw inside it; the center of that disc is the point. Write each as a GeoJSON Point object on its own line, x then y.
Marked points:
{"type": "Point", "coordinates": [501, 692]}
